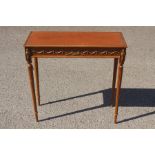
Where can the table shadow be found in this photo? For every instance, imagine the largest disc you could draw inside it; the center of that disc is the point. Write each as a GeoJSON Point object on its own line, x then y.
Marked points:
{"type": "Point", "coordinates": [130, 97]}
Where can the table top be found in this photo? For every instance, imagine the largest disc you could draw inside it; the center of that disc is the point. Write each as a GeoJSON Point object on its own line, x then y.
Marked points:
{"type": "Point", "coordinates": [75, 39]}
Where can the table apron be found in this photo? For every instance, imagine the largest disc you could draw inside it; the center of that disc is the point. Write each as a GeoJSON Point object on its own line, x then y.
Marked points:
{"type": "Point", "coordinates": [75, 53]}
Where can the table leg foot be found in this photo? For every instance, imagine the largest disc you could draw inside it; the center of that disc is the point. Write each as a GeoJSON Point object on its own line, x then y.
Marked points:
{"type": "Point", "coordinates": [36, 116]}
{"type": "Point", "coordinates": [115, 119]}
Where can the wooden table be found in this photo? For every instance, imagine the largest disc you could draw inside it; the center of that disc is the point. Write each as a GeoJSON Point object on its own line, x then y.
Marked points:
{"type": "Point", "coordinates": [76, 45]}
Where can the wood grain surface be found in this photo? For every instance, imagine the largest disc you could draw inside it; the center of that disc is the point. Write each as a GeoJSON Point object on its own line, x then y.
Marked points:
{"type": "Point", "coordinates": [76, 39]}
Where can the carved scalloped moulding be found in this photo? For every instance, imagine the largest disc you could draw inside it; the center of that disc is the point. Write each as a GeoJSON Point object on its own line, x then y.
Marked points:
{"type": "Point", "coordinates": [76, 52]}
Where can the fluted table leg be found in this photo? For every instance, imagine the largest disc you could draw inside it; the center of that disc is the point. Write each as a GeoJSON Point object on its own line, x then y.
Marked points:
{"type": "Point", "coordinates": [114, 81]}
{"type": "Point", "coordinates": [119, 81]}
{"type": "Point", "coordinates": [30, 70]}
{"type": "Point", "coordinates": [37, 79]}
{"type": "Point", "coordinates": [31, 79]}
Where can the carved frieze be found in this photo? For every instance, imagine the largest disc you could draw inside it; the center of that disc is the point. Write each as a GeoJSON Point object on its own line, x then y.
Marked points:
{"type": "Point", "coordinates": [75, 52]}
{"type": "Point", "coordinates": [78, 52]}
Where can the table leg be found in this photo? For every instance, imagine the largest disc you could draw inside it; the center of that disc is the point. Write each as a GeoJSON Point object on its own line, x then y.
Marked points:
{"type": "Point", "coordinates": [37, 79]}
{"type": "Point", "coordinates": [119, 81]}
{"type": "Point", "coordinates": [114, 81]}
{"type": "Point", "coordinates": [30, 70]}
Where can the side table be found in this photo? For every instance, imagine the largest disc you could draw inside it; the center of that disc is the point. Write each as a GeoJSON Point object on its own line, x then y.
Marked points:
{"type": "Point", "coordinates": [76, 45]}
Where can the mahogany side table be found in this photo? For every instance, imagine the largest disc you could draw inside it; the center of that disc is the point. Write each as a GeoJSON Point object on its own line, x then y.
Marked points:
{"type": "Point", "coordinates": [76, 45]}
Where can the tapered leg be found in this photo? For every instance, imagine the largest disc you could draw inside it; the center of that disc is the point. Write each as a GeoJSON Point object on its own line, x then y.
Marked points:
{"type": "Point", "coordinates": [37, 79]}
{"type": "Point", "coordinates": [30, 70]}
{"type": "Point", "coordinates": [114, 81]}
{"type": "Point", "coordinates": [119, 80]}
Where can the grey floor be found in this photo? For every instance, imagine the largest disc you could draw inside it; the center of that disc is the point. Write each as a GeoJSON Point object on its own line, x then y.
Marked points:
{"type": "Point", "coordinates": [75, 93]}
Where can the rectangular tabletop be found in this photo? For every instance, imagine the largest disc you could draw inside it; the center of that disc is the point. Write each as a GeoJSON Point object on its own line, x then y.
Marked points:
{"type": "Point", "coordinates": [76, 39]}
